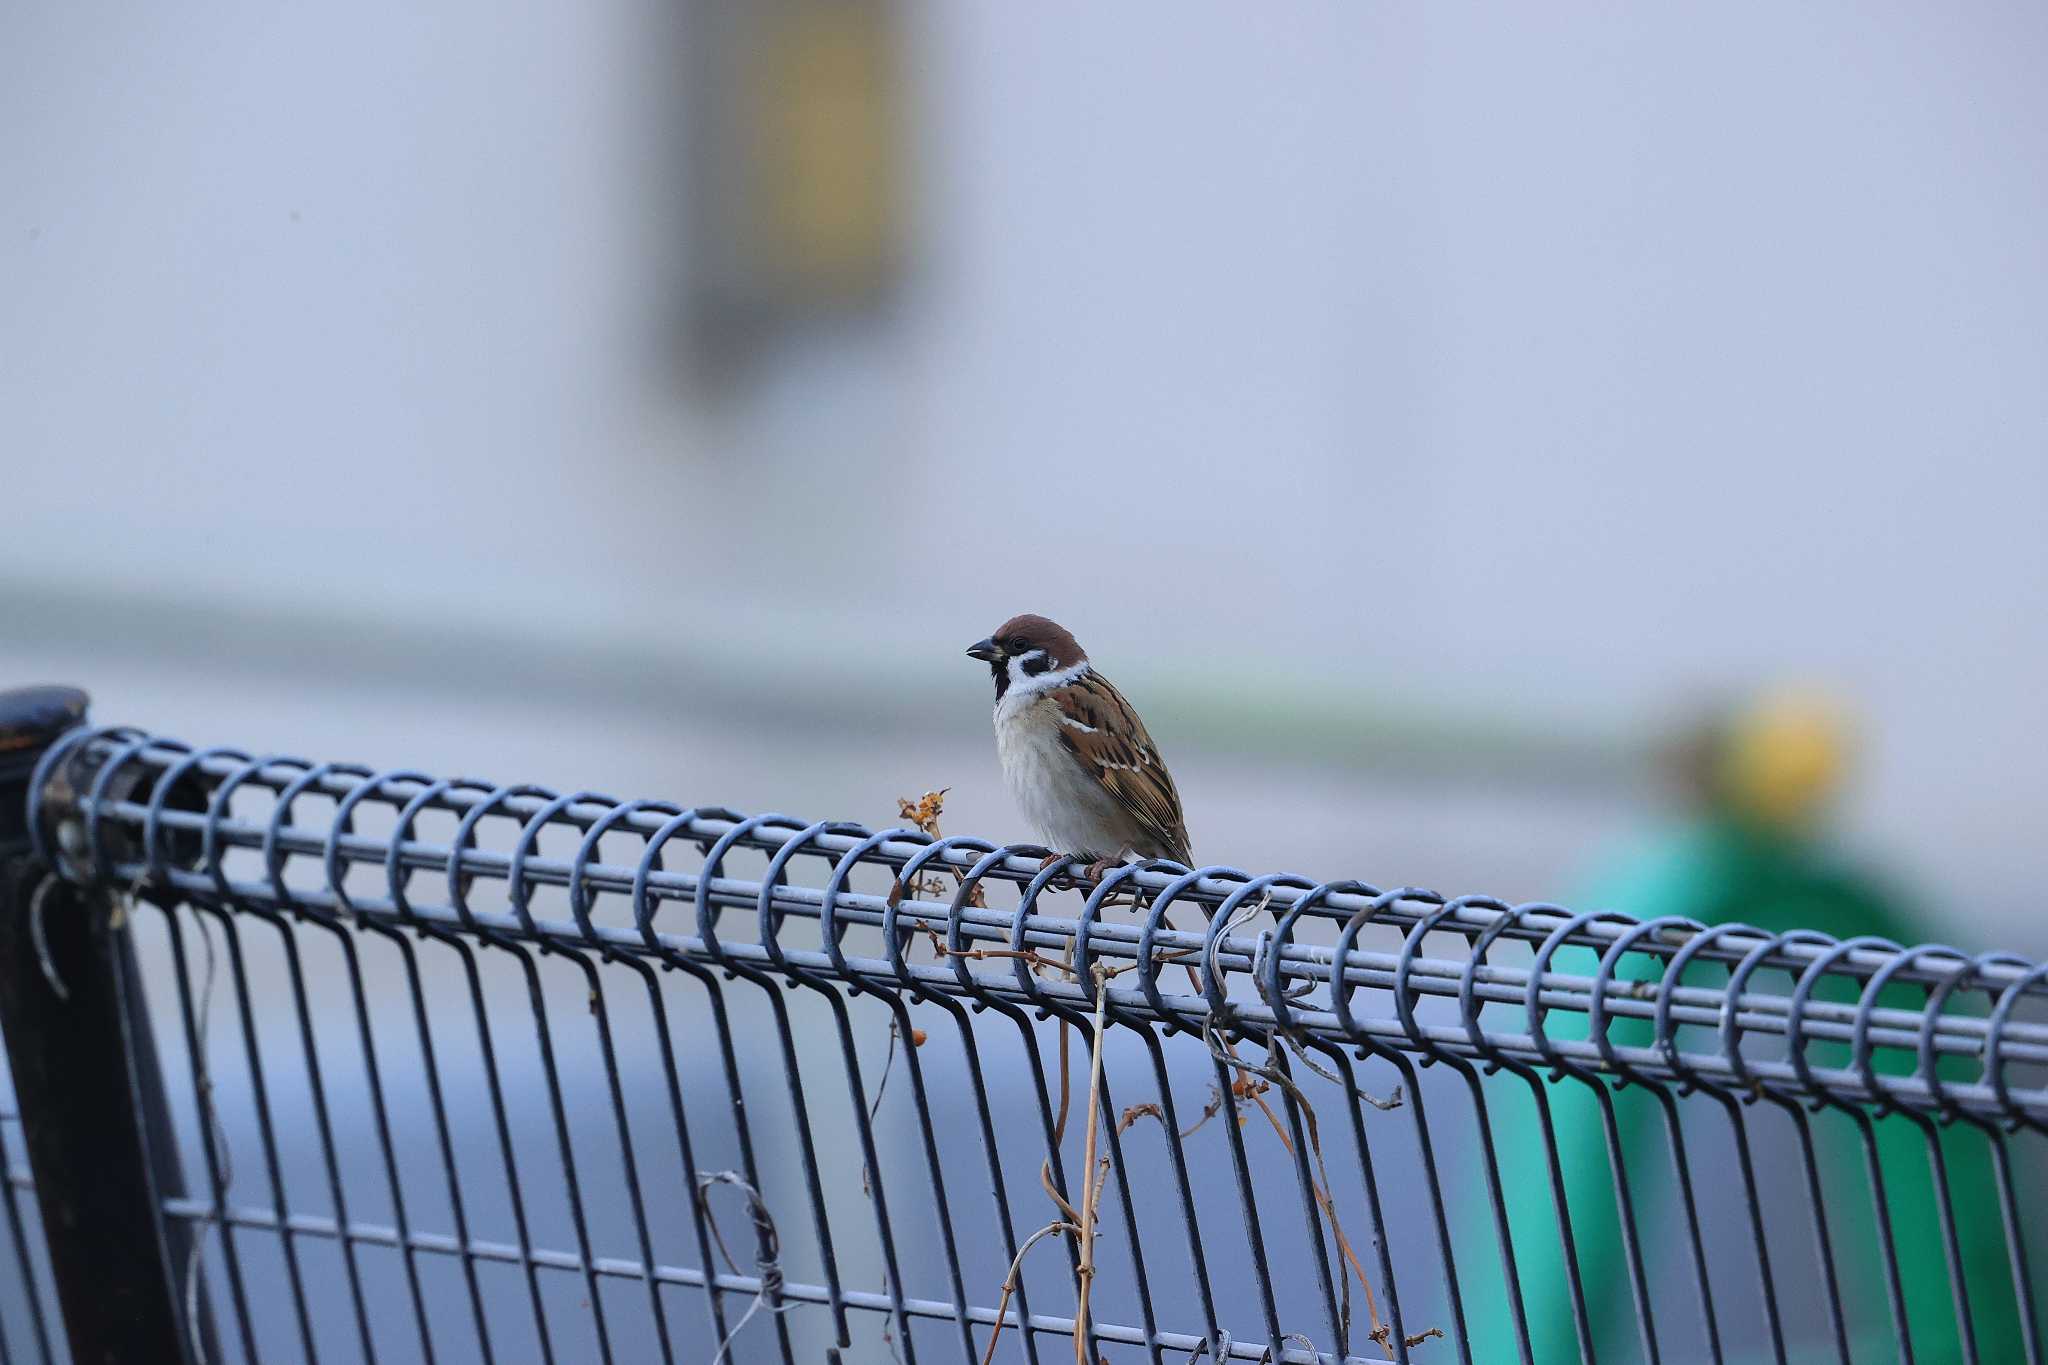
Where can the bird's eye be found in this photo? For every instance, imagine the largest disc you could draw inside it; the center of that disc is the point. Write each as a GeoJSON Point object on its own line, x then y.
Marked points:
{"type": "Point", "coordinates": [1014, 645]}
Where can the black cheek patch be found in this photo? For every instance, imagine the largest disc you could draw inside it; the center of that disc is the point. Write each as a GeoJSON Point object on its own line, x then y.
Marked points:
{"type": "Point", "coordinates": [1038, 663]}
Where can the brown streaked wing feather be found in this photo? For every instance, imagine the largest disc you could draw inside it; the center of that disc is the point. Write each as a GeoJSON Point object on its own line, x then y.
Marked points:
{"type": "Point", "coordinates": [1118, 752]}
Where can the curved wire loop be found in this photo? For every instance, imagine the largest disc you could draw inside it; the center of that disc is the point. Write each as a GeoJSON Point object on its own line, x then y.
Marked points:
{"type": "Point", "coordinates": [831, 932]}
{"type": "Point", "coordinates": [1597, 1021]}
{"type": "Point", "coordinates": [769, 917]}
{"type": "Point", "coordinates": [397, 876]}
{"type": "Point", "coordinates": [465, 841]}
{"type": "Point", "coordinates": [102, 785]}
{"type": "Point", "coordinates": [1730, 1018]}
{"type": "Point", "coordinates": [1232, 911]}
{"type": "Point", "coordinates": [1404, 966]}
{"type": "Point", "coordinates": [1802, 994]}
{"type": "Point", "coordinates": [1021, 963]}
{"type": "Point", "coordinates": [956, 949]}
{"type": "Point", "coordinates": [1663, 1028]}
{"type": "Point", "coordinates": [1971, 969]}
{"type": "Point", "coordinates": [1994, 1049]}
{"type": "Point", "coordinates": [1532, 999]}
{"type": "Point", "coordinates": [1862, 1058]}
{"type": "Point", "coordinates": [60, 758]}
{"type": "Point", "coordinates": [517, 893]}
{"type": "Point", "coordinates": [274, 853]}
{"type": "Point", "coordinates": [581, 898]}
{"type": "Point", "coordinates": [1277, 996]}
{"type": "Point", "coordinates": [646, 900]}
{"type": "Point", "coordinates": [1173, 1019]}
{"type": "Point", "coordinates": [714, 864]}
{"type": "Point", "coordinates": [1508, 917]}
{"type": "Point", "coordinates": [212, 839]}
{"type": "Point", "coordinates": [173, 779]}
{"type": "Point", "coordinates": [1091, 913]}
{"type": "Point", "coordinates": [334, 862]}
{"type": "Point", "coordinates": [894, 937]}
{"type": "Point", "coordinates": [1341, 984]}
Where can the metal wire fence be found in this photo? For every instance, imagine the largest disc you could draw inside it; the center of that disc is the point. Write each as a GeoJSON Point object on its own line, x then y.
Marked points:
{"type": "Point", "coordinates": [453, 1070]}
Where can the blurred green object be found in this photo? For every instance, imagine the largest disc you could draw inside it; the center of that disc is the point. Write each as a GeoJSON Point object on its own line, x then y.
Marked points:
{"type": "Point", "coordinates": [1758, 783]}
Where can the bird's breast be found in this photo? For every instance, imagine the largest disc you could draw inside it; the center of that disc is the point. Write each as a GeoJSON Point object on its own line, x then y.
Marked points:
{"type": "Point", "coordinates": [1027, 742]}
{"type": "Point", "coordinates": [1067, 808]}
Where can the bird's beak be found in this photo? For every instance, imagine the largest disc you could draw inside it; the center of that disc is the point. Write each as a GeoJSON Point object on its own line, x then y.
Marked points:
{"type": "Point", "coordinates": [984, 650]}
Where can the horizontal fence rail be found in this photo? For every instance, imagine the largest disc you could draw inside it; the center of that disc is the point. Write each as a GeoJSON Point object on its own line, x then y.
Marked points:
{"type": "Point", "coordinates": [149, 825]}
{"type": "Point", "coordinates": [1284, 1001]}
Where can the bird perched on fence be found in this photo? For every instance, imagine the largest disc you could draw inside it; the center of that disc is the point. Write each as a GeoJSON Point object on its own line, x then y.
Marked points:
{"type": "Point", "coordinates": [1076, 758]}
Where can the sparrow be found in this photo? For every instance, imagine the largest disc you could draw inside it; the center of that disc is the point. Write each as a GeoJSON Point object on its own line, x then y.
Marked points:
{"type": "Point", "coordinates": [1076, 758]}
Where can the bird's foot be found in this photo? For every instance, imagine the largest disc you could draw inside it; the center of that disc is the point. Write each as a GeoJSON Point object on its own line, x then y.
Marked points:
{"type": "Point", "coordinates": [1074, 878]}
{"type": "Point", "coordinates": [1064, 881]}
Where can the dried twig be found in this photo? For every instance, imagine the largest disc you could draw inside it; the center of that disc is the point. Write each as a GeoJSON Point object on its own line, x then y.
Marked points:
{"type": "Point", "coordinates": [1039, 961]}
{"type": "Point", "coordinates": [881, 1086]}
{"type": "Point", "coordinates": [924, 814]}
{"type": "Point", "coordinates": [1384, 1335]}
{"type": "Point", "coordinates": [925, 811]}
{"type": "Point", "coordinates": [1253, 1082]}
{"type": "Point", "coordinates": [1209, 1111]}
{"type": "Point", "coordinates": [1085, 1271]}
{"type": "Point", "coordinates": [1010, 1283]}
{"type": "Point", "coordinates": [1133, 1112]}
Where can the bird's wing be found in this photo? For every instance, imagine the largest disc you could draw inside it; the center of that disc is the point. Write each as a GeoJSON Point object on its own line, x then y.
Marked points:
{"type": "Point", "coordinates": [1102, 732]}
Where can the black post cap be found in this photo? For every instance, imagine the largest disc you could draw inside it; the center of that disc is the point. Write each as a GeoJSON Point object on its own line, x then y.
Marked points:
{"type": "Point", "coordinates": [31, 718]}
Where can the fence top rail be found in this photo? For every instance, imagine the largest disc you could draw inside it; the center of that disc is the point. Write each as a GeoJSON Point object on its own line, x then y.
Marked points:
{"type": "Point", "coordinates": [122, 808]}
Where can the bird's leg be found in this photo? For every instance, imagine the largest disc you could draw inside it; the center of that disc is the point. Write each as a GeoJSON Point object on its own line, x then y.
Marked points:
{"type": "Point", "coordinates": [1074, 878]}
{"type": "Point", "coordinates": [1064, 881]}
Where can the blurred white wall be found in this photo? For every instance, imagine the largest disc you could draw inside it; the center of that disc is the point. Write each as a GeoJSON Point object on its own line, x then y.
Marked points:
{"type": "Point", "coordinates": [1538, 370]}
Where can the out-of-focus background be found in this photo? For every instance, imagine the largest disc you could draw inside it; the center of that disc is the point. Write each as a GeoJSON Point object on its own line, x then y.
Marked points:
{"type": "Point", "coordinates": [1417, 409]}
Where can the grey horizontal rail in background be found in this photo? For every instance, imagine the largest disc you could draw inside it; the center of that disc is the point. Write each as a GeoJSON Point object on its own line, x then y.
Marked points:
{"type": "Point", "coordinates": [1412, 977]}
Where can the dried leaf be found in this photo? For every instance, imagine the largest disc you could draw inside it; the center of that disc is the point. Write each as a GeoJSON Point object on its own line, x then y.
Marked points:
{"type": "Point", "coordinates": [925, 811]}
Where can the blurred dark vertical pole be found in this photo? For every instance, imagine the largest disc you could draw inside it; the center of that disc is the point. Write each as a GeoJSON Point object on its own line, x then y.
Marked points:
{"type": "Point", "coordinates": [90, 1096]}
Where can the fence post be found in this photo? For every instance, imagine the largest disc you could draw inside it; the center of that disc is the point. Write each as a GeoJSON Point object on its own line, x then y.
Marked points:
{"type": "Point", "coordinates": [90, 1097]}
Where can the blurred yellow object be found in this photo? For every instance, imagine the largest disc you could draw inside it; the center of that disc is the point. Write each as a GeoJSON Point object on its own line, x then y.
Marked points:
{"type": "Point", "coordinates": [1782, 759]}
{"type": "Point", "coordinates": [798, 188]}
{"type": "Point", "coordinates": [825, 143]}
